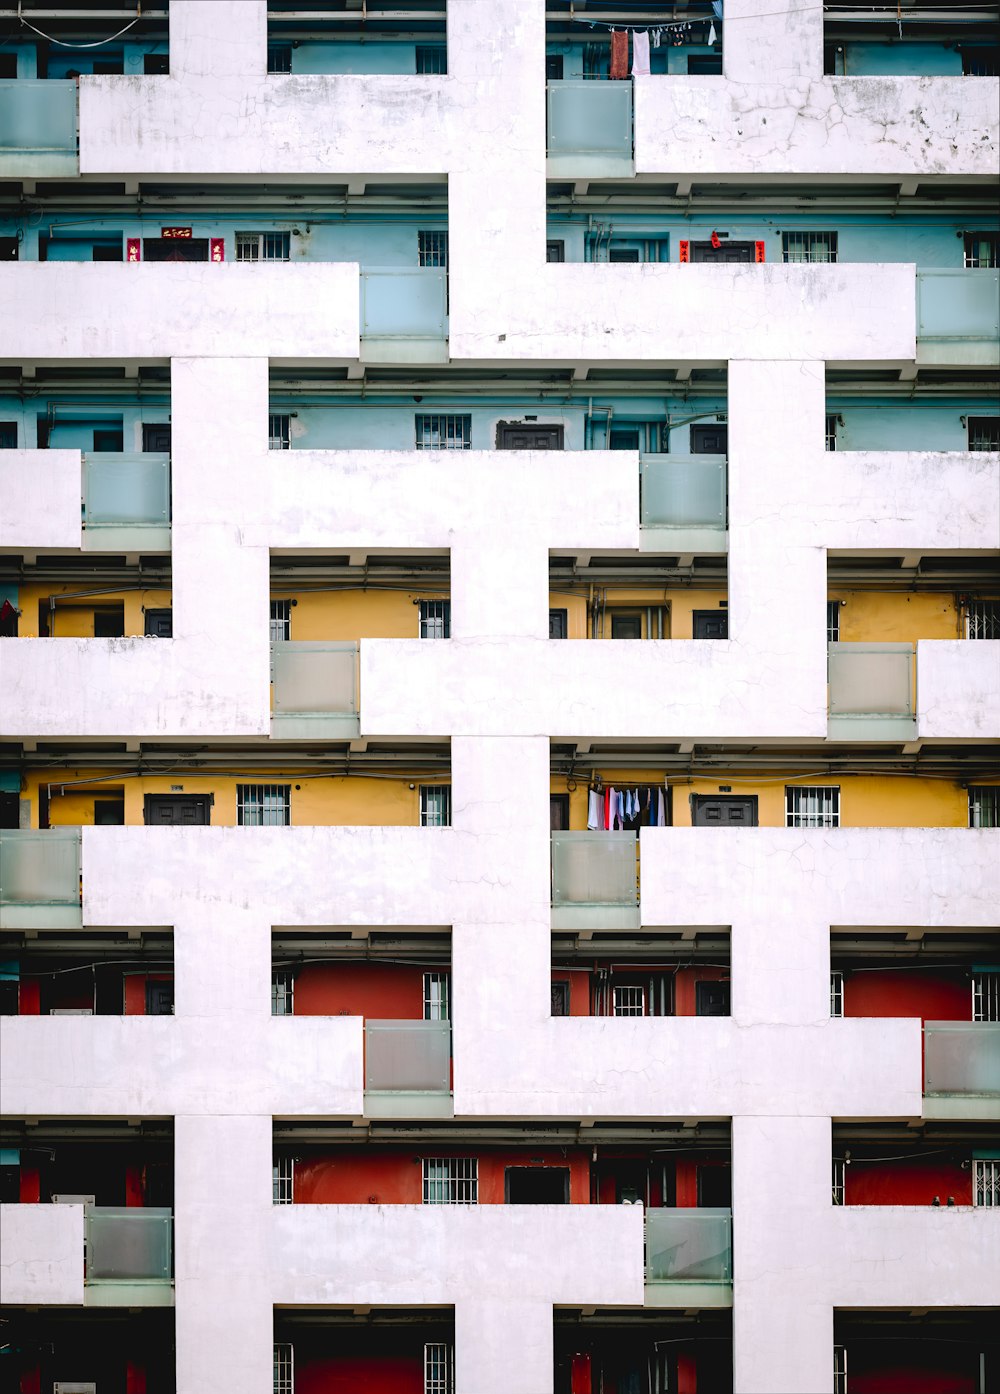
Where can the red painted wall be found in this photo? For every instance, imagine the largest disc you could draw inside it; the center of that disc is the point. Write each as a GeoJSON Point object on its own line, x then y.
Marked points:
{"type": "Point", "coordinates": [906, 1183]}
{"type": "Point", "coordinates": [376, 1360]}
{"type": "Point", "coordinates": [356, 1177]}
{"type": "Point", "coordinates": [29, 997]}
{"type": "Point", "coordinates": [932, 994]}
{"type": "Point", "coordinates": [378, 990]}
{"type": "Point", "coordinates": [135, 990]}
{"type": "Point", "coordinates": [932, 1368]}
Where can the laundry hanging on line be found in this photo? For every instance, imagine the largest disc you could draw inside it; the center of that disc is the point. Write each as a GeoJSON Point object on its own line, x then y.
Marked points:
{"type": "Point", "coordinates": [625, 810]}
{"type": "Point", "coordinates": [619, 53]}
{"type": "Point", "coordinates": [640, 54]}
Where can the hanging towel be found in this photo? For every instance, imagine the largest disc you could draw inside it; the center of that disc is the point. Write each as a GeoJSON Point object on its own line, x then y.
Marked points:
{"type": "Point", "coordinates": [657, 35]}
{"type": "Point", "coordinates": [594, 809]}
{"type": "Point", "coordinates": [619, 53]}
{"type": "Point", "coordinates": [711, 33]}
{"type": "Point", "coordinates": [661, 809]}
{"type": "Point", "coordinates": [621, 809]}
{"type": "Point", "coordinates": [640, 54]}
{"type": "Point", "coordinates": [608, 795]}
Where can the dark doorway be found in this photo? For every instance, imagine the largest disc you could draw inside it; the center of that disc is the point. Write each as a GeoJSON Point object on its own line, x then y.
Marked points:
{"type": "Point", "coordinates": [725, 811]}
{"type": "Point", "coordinates": [709, 439]}
{"type": "Point", "coordinates": [555, 249]}
{"type": "Point", "coordinates": [726, 251]}
{"type": "Point", "coordinates": [560, 999]}
{"type": "Point", "coordinates": [513, 435]}
{"type": "Point", "coordinates": [156, 436]}
{"type": "Point", "coordinates": [177, 810]}
{"type": "Point", "coordinates": [8, 435]}
{"type": "Point", "coordinates": [705, 64]}
{"type": "Point", "coordinates": [559, 813]}
{"type": "Point", "coordinates": [175, 249]}
{"type": "Point", "coordinates": [109, 622]}
{"type": "Point", "coordinates": [159, 999]}
{"type": "Point", "coordinates": [536, 1185]}
{"type": "Point", "coordinates": [8, 248]}
{"type": "Point", "coordinates": [623, 254]}
{"type": "Point", "coordinates": [715, 1186]}
{"type": "Point", "coordinates": [10, 809]}
{"type": "Point", "coordinates": [112, 441]}
{"type": "Point", "coordinates": [160, 624]}
{"type": "Point", "coordinates": [553, 67]}
{"type": "Point", "coordinates": [626, 625]}
{"type": "Point", "coordinates": [710, 624]}
{"type": "Point", "coordinates": [109, 813]}
{"type": "Point", "coordinates": [711, 999]}
{"type": "Point", "coordinates": [558, 625]}
{"type": "Point", "coordinates": [156, 65]}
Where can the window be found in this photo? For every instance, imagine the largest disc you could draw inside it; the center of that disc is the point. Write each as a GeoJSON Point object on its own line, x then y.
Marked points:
{"type": "Point", "coordinates": [812, 807]}
{"type": "Point", "coordinates": [432, 60]}
{"type": "Point", "coordinates": [808, 246]}
{"type": "Point", "coordinates": [833, 621]}
{"type": "Point", "coordinates": [263, 246]}
{"type": "Point", "coordinates": [432, 249]}
{"type": "Point", "coordinates": [437, 996]}
{"type": "Point", "coordinates": [839, 1169]}
{"type": "Point", "coordinates": [981, 250]}
{"type": "Point", "coordinates": [986, 996]}
{"type": "Point", "coordinates": [156, 436]}
{"type": "Point", "coordinates": [630, 1001]}
{"type": "Point", "coordinates": [836, 992]}
{"type": "Point", "coordinates": [832, 422]}
{"type": "Point", "coordinates": [451, 1180]}
{"type": "Point", "coordinates": [439, 1367]}
{"type": "Point", "coordinates": [282, 1181]}
{"type": "Point", "coordinates": [980, 62]}
{"type": "Point", "coordinates": [284, 1382]}
{"type": "Point", "coordinates": [282, 992]}
{"type": "Point", "coordinates": [435, 806]}
{"type": "Point", "coordinates": [435, 619]}
{"type": "Point", "coordinates": [8, 435]}
{"type": "Point", "coordinates": [711, 999]}
{"type": "Point", "coordinates": [279, 60]}
{"type": "Point", "coordinates": [982, 620]}
{"type": "Point", "coordinates": [840, 1370]}
{"type": "Point", "coordinates": [984, 432]}
{"type": "Point", "coordinates": [281, 621]}
{"type": "Point", "coordinates": [705, 64]}
{"type": "Point", "coordinates": [986, 1182]}
{"type": "Point", "coordinates": [279, 431]}
{"type": "Point", "coordinates": [984, 806]}
{"type": "Point", "coordinates": [263, 805]}
{"type": "Point", "coordinates": [437, 432]}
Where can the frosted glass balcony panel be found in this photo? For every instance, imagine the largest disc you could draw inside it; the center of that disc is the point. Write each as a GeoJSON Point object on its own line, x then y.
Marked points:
{"type": "Point", "coordinates": [871, 680]}
{"type": "Point", "coordinates": [40, 868]}
{"type": "Point", "coordinates": [683, 491]}
{"type": "Point", "coordinates": [126, 490]}
{"type": "Point", "coordinates": [311, 678]}
{"type": "Point", "coordinates": [38, 116]}
{"type": "Point", "coordinates": [589, 117]}
{"type": "Point", "coordinates": [594, 868]}
{"type": "Point", "coordinates": [408, 1055]}
{"type": "Point", "coordinates": [689, 1246]}
{"type": "Point", "coordinates": [125, 1244]}
{"type": "Point", "coordinates": [961, 1057]}
{"type": "Point", "coordinates": [953, 303]}
{"type": "Point", "coordinates": [402, 302]}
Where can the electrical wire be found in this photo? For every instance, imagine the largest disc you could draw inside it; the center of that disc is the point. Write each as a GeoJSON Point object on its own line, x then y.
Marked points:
{"type": "Point", "coordinates": [62, 43]}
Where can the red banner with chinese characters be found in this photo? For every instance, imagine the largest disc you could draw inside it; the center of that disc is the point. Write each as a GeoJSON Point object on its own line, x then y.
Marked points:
{"type": "Point", "coordinates": [685, 252]}
{"type": "Point", "coordinates": [216, 249]}
{"type": "Point", "coordinates": [758, 251]}
{"type": "Point", "coordinates": [133, 249]}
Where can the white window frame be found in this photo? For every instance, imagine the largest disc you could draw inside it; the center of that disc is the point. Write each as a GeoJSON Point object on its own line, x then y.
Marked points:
{"type": "Point", "coordinates": [821, 810]}
{"type": "Point", "coordinates": [629, 999]}
{"type": "Point", "coordinates": [986, 996]}
{"type": "Point", "coordinates": [436, 430]}
{"type": "Point", "coordinates": [839, 1175]}
{"type": "Point", "coordinates": [984, 799]}
{"type": "Point", "coordinates": [437, 995]}
{"type": "Point", "coordinates": [282, 992]}
{"type": "Point", "coordinates": [986, 1182]}
{"type": "Point", "coordinates": [263, 246]}
{"type": "Point", "coordinates": [283, 1181]}
{"type": "Point", "coordinates": [263, 802]}
{"type": "Point", "coordinates": [814, 247]}
{"type": "Point", "coordinates": [836, 992]}
{"type": "Point", "coordinates": [431, 817]}
{"type": "Point", "coordinates": [840, 1370]}
{"type": "Point", "coordinates": [279, 430]}
{"type": "Point", "coordinates": [439, 1367]}
{"type": "Point", "coordinates": [435, 619]}
{"type": "Point", "coordinates": [281, 621]}
{"type": "Point", "coordinates": [284, 1367]}
{"type": "Point", "coordinates": [449, 1180]}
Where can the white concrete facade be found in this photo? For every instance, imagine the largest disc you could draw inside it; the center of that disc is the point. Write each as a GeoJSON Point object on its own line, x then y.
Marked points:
{"type": "Point", "coordinates": [779, 1067]}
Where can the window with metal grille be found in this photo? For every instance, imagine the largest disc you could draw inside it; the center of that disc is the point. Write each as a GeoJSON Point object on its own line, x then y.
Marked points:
{"type": "Point", "coordinates": [281, 621]}
{"type": "Point", "coordinates": [840, 1370]}
{"type": "Point", "coordinates": [836, 993]}
{"type": "Point", "coordinates": [437, 996]}
{"type": "Point", "coordinates": [437, 432]}
{"type": "Point", "coordinates": [435, 619]}
{"type": "Point", "coordinates": [432, 60]}
{"type": "Point", "coordinates": [630, 1001]}
{"type": "Point", "coordinates": [439, 1367]}
{"type": "Point", "coordinates": [435, 806]}
{"type": "Point", "coordinates": [982, 250]}
{"type": "Point", "coordinates": [832, 422]}
{"type": "Point", "coordinates": [984, 806]}
{"type": "Point", "coordinates": [451, 1180]}
{"type": "Point", "coordinates": [279, 60]}
{"type": "Point", "coordinates": [982, 620]}
{"type": "Point", "coordinates": [283, 1181]}
{"type": "Point", "coordinates": [282, 992]}
{"type": "Point", "coordinates": [432, 249]}
{"type": "Point", "coordinates": [833, 621]}
{"type": "Point", "coordinates": [839, 1168]}
{"type": "Point", "coordinates": [986, 1182]}
{"type": "Point", "coordinates": [809, 246]}
{"type": "Point", "coordinates": [279, 431]}
{"type": "Point", "coordinates": [984, 432]}
{"type": "Point", "coordinates": [816, 806]}
{"type": "Point", "coordinates": [263, 805]}
{"type": "Point", "coordinates": [284, 1381]}
{"type": "Point", "coordinates": [263, 246]}
{"type": "Point", "coordinates": [986, 997]}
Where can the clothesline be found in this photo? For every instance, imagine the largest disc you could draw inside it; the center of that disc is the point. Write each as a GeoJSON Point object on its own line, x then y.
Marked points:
{"type": "Point", "coordinates": [610, 809]}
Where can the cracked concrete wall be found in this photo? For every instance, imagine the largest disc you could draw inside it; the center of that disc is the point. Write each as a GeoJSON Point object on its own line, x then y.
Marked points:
{"type": "Point", "coordinates": [41, 1254]}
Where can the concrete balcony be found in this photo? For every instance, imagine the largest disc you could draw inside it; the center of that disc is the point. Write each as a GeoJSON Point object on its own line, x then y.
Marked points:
{"type": "Point", "coordinates": [38, 120]}
{"type": "Point", "coordinates": [958, 687]}
{"type": "Point", "coordinates": [961, 1069]}
{"type": "Point", "coordinates": [404, 315]}
{"type": "Point", "coordinates": [41, 492]}
{"type": "Point", "coordinates": [589, 129]}
{"type": "Point", "coordinates": [595, 880]}
{"type": "Point", "coordinates": [408, 1069]}
{"type": "Point", "coordinates": [958, 317]}
{"type": "Point", "coordinates": [41, 1254]}
{"type": "Point", "coordinates": [689, 1257]}
{"type": "Point", "coordinates": [683, 503]}
{"type": "Point", "coordinates": [872, 692]}
{"type": "Point", "coordinates": [40, 879]}
{"type": "Point", "coordinates": [314, 690]}
{"type": "Point", "coordinates": [126, 502]}
{"type": "Point", "coordinates": [129, 1256]}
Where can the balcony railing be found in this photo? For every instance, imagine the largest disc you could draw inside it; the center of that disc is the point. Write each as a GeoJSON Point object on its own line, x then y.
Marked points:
{"type": "Point", "coordinates": [39, 869]}
{"type": "Point", "coordinates": [689, 1246]}
{"type": "Point", "coordinates": [962, 1057]}
{"type": "Point", "coordinates": [126, 490]}
{"type": "Point", "coordinates": [314, 678]}
{"type": "Point", "coordinates": [128, 1245]}
{"type": "Point", "coordinates": [872, 681]}
{"type": "Point", "coordinates": [408, 1056]}
{"type": "Point", "coordinates": [400, 302]}
{"type": "Point", "coordinates": [955, 304]}
{"type": "Point", "coordinates": [594, 868]}
{"type": "Point", "coordinates": [592, 119]}
{"type": "Point", "coordinates": [683, 491]}
{"type": "Point", "coordinates": [38, 123]}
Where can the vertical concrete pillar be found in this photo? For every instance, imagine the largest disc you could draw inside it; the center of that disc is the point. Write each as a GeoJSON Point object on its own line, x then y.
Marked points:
{"type": "Point", "coordinates": [226, 38]}
{"type": "Point", "coordinates": [772, 41]}
{"type": "Point", "coordinates": [503, 1346]}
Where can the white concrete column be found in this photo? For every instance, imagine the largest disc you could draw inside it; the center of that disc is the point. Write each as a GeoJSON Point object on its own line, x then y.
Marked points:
{"type": "Point", "coordinates": [504, 1345]}
{"type": "Point", "coordinates": [226, 38]}
{"type": "Point", "coordinates": [772, 41]}
{"type": "Point", "coordinates": [222, 964]}
{"type": "Point", "coordinates": [780, 964]}
{"type": "Point", "coordinates": [498, 588]}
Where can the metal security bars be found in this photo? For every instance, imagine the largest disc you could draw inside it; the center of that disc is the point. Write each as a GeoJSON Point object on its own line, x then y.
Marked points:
{"type": "Point", "coordinates": [816, 806]}
{"type": "Point", "coordinates": [284, 1372]}
{"type": "Point", "coordinates": [809, 246]}
{"type": "Point", "coordinates": [984, 806]}
{"type": "Point", "coordinates": [629, 1001]}
{"type": "Point", "coordinates": [281, 621]}
{"type": "Point", "coordinates": [450, 1180]}
{"type": "Point", "coordinates": [984, 432]}
{"type": "Point", "coordinates": [432, 249]}
{"type": "Point", "coordinates": [435, 619]}
{"type": "Point", "coordinates": [263, 805]}
{"type": "Point", "coordinates": [439, 1367]}
{"type": "Point", "coordinates": [839, 1168]}
{"type": "Point", "coordinates": [437, 997]}
{"type": "Point", "coordinates": [279, 60]}
{"type": "Point", "coordinates": [840, 1370]}
{"type": "Point", "coordinates": [432, 60]}
{"type": "Point", "coordinates": [836, 993]}
{"type": "Point", "coordinates": [833, 621]}
{"type": "Point", "coordinates": [982, 251]}
{"type": "Point", "coordinates": [279, 431]}
{"type": "Point", "coordinates": [263, 246]}
{"type": "Point", "coordinates": [283, 1181]}
{"type": "Point", "coordinates": [986, 996]}
{"type": "Point", "coordinates": [982, 619]}
{"type": "Point", "coordinates": [435, 806]}
{"type": "Point", "coordinates": [282, 992]}
{"type": "Point", "coordinates": [832, 422]}
{"type": "Point", "coordinates": [986, 1182]}
{"type": "Point", "coordinates": [441, 432]}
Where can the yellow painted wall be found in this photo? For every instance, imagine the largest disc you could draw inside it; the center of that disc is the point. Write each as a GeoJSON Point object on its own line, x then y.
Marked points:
{"type": "Point", "coordinates": [897, 618]}
{"type": "Point", "coordinates": [75, 618]}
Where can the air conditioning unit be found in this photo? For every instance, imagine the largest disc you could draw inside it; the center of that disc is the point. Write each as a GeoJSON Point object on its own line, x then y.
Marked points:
{"type": "Point", "coordinates": [74, 1386]}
